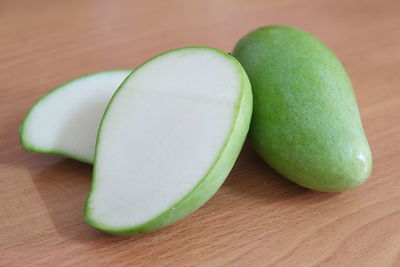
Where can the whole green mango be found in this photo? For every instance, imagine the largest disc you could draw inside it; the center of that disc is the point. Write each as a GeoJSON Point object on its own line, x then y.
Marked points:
{"type": "Point", "coordinates": [305, 124]}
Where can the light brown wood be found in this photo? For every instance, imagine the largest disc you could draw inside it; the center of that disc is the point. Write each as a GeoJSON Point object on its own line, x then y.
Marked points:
{"type": "Point", "coordinates": [257, 218]}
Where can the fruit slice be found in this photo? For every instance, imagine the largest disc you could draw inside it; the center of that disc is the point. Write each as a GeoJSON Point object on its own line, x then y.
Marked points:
{"type": "Point", "coordinates": [168, 139]}
{"type": "Point", "coordinates": [65, 121]}
{"type": "Point", "coordinates": [306, 122]}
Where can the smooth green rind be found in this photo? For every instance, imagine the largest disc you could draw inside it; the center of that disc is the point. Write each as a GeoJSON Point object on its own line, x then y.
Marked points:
{"type": "Point", "coordinates": [306, 123]}
{"type": "Point", "coordinates": [215, 176]}
{"type": "Point", "coordinates": [24, 140]}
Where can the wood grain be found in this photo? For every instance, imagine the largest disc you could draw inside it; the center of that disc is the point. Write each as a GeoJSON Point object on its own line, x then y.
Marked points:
{"type": "Point", "coordinates": [257, 218]}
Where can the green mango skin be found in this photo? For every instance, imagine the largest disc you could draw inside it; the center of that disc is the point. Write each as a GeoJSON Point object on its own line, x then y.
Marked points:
{"type": "Point", "coordinates": [305, 123]}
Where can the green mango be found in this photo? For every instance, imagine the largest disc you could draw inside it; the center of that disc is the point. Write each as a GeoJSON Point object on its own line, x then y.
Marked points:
{"type": "Point", "coordinates": [305, 123]}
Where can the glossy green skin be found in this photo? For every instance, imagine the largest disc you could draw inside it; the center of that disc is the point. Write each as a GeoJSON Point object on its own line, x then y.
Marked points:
{"type": "Point", "coordinates": [212, 180]}
{"type": "Point", "coordinates": [306, 124]}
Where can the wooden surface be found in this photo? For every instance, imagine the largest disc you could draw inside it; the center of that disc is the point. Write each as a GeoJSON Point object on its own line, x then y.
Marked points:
{"type": "Point", "coordinates": [257, 218]}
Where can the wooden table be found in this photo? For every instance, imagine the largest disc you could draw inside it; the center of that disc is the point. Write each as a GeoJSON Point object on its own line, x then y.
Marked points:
{"type": "Point", "coordinates": [257, 218]}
